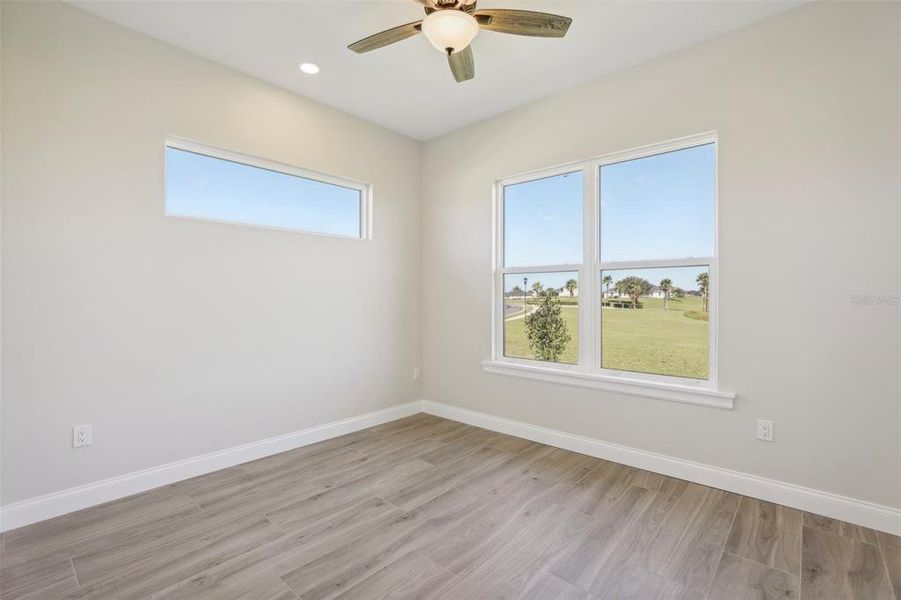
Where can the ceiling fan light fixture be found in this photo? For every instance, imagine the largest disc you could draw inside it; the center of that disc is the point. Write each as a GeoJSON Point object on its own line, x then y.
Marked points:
{"type": "Point", "coordinates": [450, 29]}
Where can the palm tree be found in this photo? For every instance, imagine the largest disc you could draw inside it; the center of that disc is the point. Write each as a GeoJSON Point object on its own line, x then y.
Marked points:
{"type": "Point", "coordinates": [571, 286]}
{"type": "Point", "coordinates": [537, 288]}
{"type": "Point", "coordinates": [608, 279]}
{"type": "Point", "coordinates": [704, 287]}
{"type": "Point", "coordinates": [634, 288]}
{"type": "Point", "coordinates": [666, 286]}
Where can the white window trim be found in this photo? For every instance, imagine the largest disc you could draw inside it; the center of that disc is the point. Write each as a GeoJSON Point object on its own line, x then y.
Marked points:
{"type": "Point", "coordinates": [365, 189]}
{"type": "Point", "coordinates": [643, 387]}
{"type": "Point", "coordinates": [588, 372]}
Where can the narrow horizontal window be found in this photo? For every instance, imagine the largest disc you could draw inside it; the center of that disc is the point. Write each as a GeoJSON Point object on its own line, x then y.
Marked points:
{"type": "Point", "coordinates": [215, 185]}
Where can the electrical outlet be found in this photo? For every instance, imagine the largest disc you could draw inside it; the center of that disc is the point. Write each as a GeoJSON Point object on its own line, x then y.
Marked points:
{"type": "Point", "coordinates": [81, 436]}
{"type": "Point", "coordinates": [416, 374]}
{"type": "Point", "coordinates": [764, 430]}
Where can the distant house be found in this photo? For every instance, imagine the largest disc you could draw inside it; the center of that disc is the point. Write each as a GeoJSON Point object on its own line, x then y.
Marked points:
{"type": "Point", "coordinates": [656, 292]}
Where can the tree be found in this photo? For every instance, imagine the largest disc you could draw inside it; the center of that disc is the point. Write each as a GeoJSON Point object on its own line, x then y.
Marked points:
{"type": "Point", "coordinates": [634, 288]}
{"type": "Point", "coordinates": [571, 286]}
{"type": "Point", "coordinates": [516, 291]}
{"type": "Point", "coordinates": [608, 279]}
{"type": "Point", "coordinates": [546, 330]}
{"type": "Point", "coordinates": [537, 288]}
{"type": "Point", "coordinates": [666, 286]}
{"type": "Point", "coordinates": [679, 293]}
{"type": "Point", "coordinates": [703, 287]}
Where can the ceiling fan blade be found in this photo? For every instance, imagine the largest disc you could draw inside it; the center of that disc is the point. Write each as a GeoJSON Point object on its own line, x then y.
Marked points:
{"type": "Point", "coordinates": [462, 64]}
{"type": "Point", "coordinates": [387, 37]}
{"type": "Point", "coordinates": [523, 22]}
{"type": "Point", "coordinates": [426, 3]}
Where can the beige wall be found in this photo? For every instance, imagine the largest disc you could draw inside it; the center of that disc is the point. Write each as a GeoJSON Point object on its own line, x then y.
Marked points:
{"type": "Point", "coordinates": [806, 104]}
{"type": "Point", "coordinates": [175, 337]}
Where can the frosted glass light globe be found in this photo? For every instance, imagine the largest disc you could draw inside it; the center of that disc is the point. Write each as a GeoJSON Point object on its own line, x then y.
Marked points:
{"type": "Point", "coordinates": [450, 29]}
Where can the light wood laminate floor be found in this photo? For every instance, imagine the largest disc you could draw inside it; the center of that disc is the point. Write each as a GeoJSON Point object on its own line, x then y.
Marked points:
{"type": "Point", "coordinates": [429, 508]}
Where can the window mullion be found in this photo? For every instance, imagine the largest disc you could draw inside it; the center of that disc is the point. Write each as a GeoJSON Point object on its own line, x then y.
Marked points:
{"type": "Point", "coordinates": [588, 316]}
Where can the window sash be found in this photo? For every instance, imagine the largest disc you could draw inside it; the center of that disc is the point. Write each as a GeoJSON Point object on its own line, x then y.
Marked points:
{"type": "Point", "coordinates": [710, 263]}
{"type": "Point", "coordinates": [589, 270]}
{"type": "Point", "coordinates": [365, 190]}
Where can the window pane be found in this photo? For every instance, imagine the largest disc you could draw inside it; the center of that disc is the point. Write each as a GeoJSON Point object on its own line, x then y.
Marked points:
{"type": "Point", "coordinates": [542, 324]}
{"type": "Point", "coordinates": [660, 206]}
{"type": "Point", "coordinates": [213, 188]}
{"type": "Point", "coordinates": [655, 321]}
{"type": "Point", "coordinates": [543, 221]}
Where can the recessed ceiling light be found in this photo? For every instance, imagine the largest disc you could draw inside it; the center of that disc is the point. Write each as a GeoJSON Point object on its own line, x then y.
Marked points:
{"type": "Point", "coordinates": [309, 68]}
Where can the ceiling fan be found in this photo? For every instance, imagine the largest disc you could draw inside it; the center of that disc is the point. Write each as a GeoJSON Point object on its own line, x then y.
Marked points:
{"type": "Point", "coordinates": [450, 25]}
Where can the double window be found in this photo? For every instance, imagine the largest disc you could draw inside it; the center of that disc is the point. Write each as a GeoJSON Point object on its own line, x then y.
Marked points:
{"type": "Point", "coordinates": [208, 183]}
{"type": "Point", "coordinates": [607, 268]}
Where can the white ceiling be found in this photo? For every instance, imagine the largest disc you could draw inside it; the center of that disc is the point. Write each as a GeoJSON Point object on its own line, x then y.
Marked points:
{"type": "Point", "coordinates": [408, 86]}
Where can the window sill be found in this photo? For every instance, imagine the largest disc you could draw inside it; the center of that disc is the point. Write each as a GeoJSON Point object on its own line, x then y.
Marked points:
{"type": "Point", "coordinates": [688, 394]}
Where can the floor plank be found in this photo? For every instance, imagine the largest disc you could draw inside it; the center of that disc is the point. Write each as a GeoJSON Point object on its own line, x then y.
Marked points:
{"type": "Point", "coordinates": [548, 587]}
{"type": "Point", "coordinates": [147, 566]}
{"type": "Point", "coordinates": [49, 575]}
{"type": "Point", "coordinates": [848, 530]}
{"type": "Point", "coordinates": [410, 577]}
{"type": "Point", "coordinates": [426, 508]}
{"type": "Point", "coordinates": [739, 578]}
{"type": "Point", "coordinates": [768, 534]}
{"type": "Point", "coordinates": [891, 552]}
{"type": "Point", "coordinates": [250, 586]}
{"type": "Point", "coordinates": [834, 566]}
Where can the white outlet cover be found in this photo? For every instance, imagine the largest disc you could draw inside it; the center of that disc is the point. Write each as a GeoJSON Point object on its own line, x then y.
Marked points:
{"type": "Point", "coordinates": [81, 436]}
{"type": "Point", "coordinates": [765, 430]}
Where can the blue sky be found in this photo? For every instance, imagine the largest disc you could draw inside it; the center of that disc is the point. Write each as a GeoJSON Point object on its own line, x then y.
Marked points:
{"type": "Point", "coordinates": [656, 207]}
{"type": "Point", "coordinates": [212, 188]}
{"type": "Point", "coordinates": [659, 207]}
{"type": "Point", "coordinates": [543, 221]}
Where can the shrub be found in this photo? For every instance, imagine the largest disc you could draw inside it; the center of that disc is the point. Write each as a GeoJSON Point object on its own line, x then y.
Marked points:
{"type": "Point", "coordinates": [546, 330]}
{"type": "Point", "coordinates": [697, 314]}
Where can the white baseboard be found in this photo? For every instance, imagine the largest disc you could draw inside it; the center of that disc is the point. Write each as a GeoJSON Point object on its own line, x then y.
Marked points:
{"type": "Point", "coordinates": [44, 507]}
{"type": "Point", "coordinates": [860, 512]}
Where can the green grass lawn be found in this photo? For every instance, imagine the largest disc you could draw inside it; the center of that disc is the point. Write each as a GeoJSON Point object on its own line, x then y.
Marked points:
{"type": "Point", "coordinates": [516, 344]}
{"type": "Point", "coordinates": [647, 340]}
